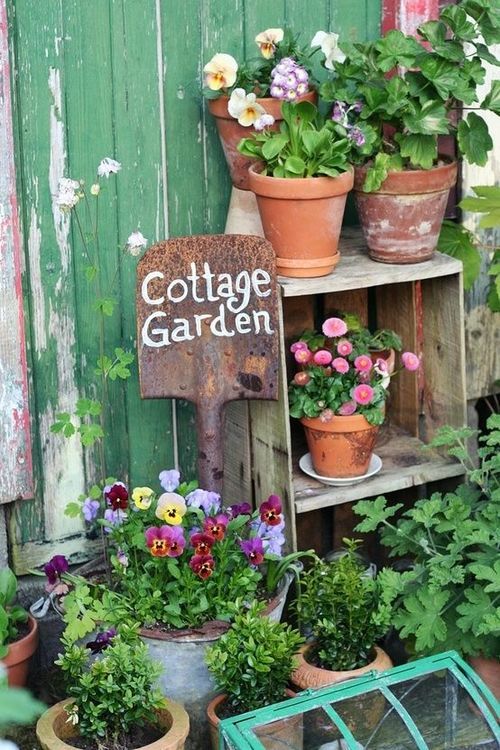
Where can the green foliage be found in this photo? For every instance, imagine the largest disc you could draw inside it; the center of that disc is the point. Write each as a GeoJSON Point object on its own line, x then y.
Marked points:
{"type": "Point", "coordinates": [405, 94]}
{"type": "Point", "coordinates": [112, 692]}
{"type": "Point", "coordinates": [346, 610]}
{"type": "Point", "coordinates": [451, 598]}
{"type": "Point", "coordinates": [307, 145]}
{"type": "Point", "coordinates": [11, 614]}
{"type": "Point", "coordinates": [457, 241]}
{"type": "Point", "coordinates": [253, 661]}
{"type": "Point", "coordinates": [17, 706]}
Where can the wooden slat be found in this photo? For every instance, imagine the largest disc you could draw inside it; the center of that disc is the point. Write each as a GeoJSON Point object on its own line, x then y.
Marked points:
{"type": "Point", "coordinates": [407, 15]}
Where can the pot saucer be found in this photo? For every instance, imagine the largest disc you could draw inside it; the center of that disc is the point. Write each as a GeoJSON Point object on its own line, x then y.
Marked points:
{"type": "Point", "coordinates": [374, 467]}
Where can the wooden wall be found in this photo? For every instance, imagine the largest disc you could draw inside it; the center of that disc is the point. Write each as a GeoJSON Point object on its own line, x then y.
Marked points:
{"type": "Point", "coordinates": [119, 78]}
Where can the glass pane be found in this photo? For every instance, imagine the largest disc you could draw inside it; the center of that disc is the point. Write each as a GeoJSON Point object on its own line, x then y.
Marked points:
{"type": "Point", "coordinates": [312, 730]}
{"type": "Point", "coordinates": [444, 713]}
{"type": "Point", "coordinates": [374, 723]}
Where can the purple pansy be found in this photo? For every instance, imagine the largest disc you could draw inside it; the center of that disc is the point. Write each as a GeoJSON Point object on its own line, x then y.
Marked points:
{"type": "Point", "coordinates": [90, 509]}
{"type": "Point", "coordinates": [114, 518]}
{"type": "Point", "coordinates": [254, 550]}
{"type": "Point", "coordinates": [102, 641]}
{"type": "Point", "coordinates": [55, 566]}
{"type": "Point", "coordinates": [169, 479]}
{"type": "Point", "coordinates": [240, 509]}
{"type": "Point", "coordinates": [272, 537]}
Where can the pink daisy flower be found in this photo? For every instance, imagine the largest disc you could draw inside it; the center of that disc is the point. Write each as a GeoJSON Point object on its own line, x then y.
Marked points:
{"type": "Point", "coordinates": [334, 327]}
{"type": "Point", "coordinates": [363, 363]}
{"type": "Point", "coordinates": [340, 365]}
{"type": "Point", "coordinates": [322, 357]}
{"type": "Point", "coordinates": [303, 356]}
{"type": "Point", "coordinates": [347, 409]}
{"type": "Point", "coordinates": [297, 346]}
{"type": "Point", "coordinates": [363, 394]}
{"type": "Point", "coordinates": [410, 361]}
{"type": "Point", "coordinates": [344, 347]}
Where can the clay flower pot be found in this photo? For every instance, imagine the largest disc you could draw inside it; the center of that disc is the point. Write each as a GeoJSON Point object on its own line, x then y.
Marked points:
{"type": "Point", "coordinates": [19, 654]}
{"type": "Point", "coordinates": [302, 219]}
{"type": "Point", "coordinates": [389, 355]}
{"type": "Point", "coordinates": [341, 447]}
{"type": "Point", "coordinates": [54, 732]}
{"type": "Point", "coordinates": [231, 133]}
{"type": "Point", "coordinates": [489, 671]}
{"type": "Point", "coordinates": [307, 675]}
{"type": "Point", "coordinates": [286, 733]}
{"type": "Point", "coordinates": [401, 221]}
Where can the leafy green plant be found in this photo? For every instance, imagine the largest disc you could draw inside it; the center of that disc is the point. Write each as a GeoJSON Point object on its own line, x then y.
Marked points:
{"type": "Point", "coordinates": [113, 692]}
{"type": "Point", "coordinates": [11, 614]}
{"type": "Point", "coordinates": [306, 145]}
{"type": "Point", "coordinates": [346, 610]}
{"type": "Point", "coordinates": [253, 661]}
{"type": "Point", "coordinates": [17, 706]}
{"type": "Point", "coordinates": [401, 96]}
{"type": "Point", "coordinates": [451, 598]}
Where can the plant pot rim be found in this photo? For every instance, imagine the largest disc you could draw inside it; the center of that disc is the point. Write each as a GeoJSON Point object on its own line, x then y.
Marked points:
{"type": "Point", "coordinates": [218, 699]}
{"type": "Point", "coordinates": [321, 677]}
{"type": "Point", "coordinates": [411, 181]}
{"type": "Point", "coordinates": [338, 423]}
{"type": "Point", "coordinates": [176, 735]}
{"type": "Point", "coordinates": [24, 647]}
{"type": "Point", "coordinates": [218, 107]}
{"type": "Point", "coordinates": [299, 188]}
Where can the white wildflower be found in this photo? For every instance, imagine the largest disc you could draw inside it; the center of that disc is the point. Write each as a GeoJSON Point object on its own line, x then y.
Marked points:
{"type": "Point", "coordinates": [95, 189]}
{"type": "Point", "coordinates": [108, 166]}
{"type": "Point", "coordinates": [68, 197]}
{"type": "Point", "coordinates": [329, 43]}
{"type": "Point", "coordinates": [136, 242]}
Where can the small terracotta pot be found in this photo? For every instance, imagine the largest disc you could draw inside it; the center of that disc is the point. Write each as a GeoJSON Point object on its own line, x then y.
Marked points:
{"type": "Point", "coordinates": [302, 219]}
{"type": "Point", "coordinates": [489, 671]}
{"type": "Point", "coordinates": [19, 654]}
{"type": "Point", "coordinates": [401, 221]}
{"type": "Point", "coordinates": [55, 733]}
{"type": "Point", "coordinates": [292, 727]}
{"type": "Point", "coordinates": [389, 355]}
{"type": "Point", "coordinates": [231, 133]}
{"type": "Point", "coordinates": [341, 447]}
{"type": "Point", "coordinates": [306, 675]}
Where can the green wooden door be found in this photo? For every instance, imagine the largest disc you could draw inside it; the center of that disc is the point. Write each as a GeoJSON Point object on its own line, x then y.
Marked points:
{"type": "Point", "coordinates": [119, 78]}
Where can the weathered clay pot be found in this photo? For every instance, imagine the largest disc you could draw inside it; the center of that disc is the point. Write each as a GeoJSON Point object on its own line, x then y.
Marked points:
{"type": "Point", "coordinates": [302, 219]}
{"type": "Point", "coordinates": [231, 133]}
{"type": "Point", "coordinates": [401, 221]}
{"type": "Point", "coordinates": [306, 675]}
{"type": "Point", "coordinates": [55, 733]}
{"type": "Point", "coordinates": [19, 654]}
{"type": "Point", "coordinates": [489, 671]}
{"type": "Point", "coordinates": [389, 355]}
{"type": "Point", "coordinates": [280, 734]}
{"type": "Point", "coordinates": [341, 447]}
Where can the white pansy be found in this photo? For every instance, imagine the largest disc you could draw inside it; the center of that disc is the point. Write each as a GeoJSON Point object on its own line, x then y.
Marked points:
{"type": "Point", "coordinates": [267, 41]}
{"type": "Point", "coordinates": [244, 107]}
{"type": "Point", "coordinates": [108, 166]}
{"type": "Point", "coordinates": [329, 43]}
{"type": "Point", "coordinates": [68, 196]}
{"type": "Point", "coordinates": [136, 242]}
{"type": "Point", "coordinates": [220, 71]}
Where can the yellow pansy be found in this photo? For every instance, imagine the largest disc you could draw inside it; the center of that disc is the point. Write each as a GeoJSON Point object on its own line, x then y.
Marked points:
{"type": "Point", "coordinates": [171, 508]}
{"type": "Point", "coordinates": [267, 41]}
{"type": "Point", "coordinates": [142, 497]}
{"type": "Point", "coordinates": [220, 71]}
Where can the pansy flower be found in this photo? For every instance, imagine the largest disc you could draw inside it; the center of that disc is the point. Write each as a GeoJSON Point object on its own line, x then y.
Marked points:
{"type": "Point", "coordinates": [171, 508]}
{"type": "Point", "coordinates": [272, 537]}
{"type": "Point", "coordinates": [114, 518]}
{"type": "Point", "coordinates": [90, 509]}
{"type": "Point", "coordinates": [215, 526]}
{"type": "Point", "coordinates": [117, 495]}
{"type": "Point", "coordinates": [142, 497]}
{"type": "Point", "coordinates": [165, 541]}
{"type": "Point", "coordinates": [220, 71]}
{"type": "Point", "coordinates": [267, 41]}
{"type": "Point", "coordinates": [244, 107]}
{"type": "Point", "coordinates": [240, 509]}
{"type": "Point", "coordinates": [202, 543]}
{"type": "Point", "coordinates": [169, 479]}
{"type": "Point", "coordinates": [102, 641]}
{"type": "Point", "coordinates": [270, 511]}
{"type": "Point", "coordinates": [254, 550]}
{"type": "Point", "coordinates": [55, 567]}
{"type": "Point", "coordinates": [208, 501]}
{"type": "Point", "coordinates": [202, 565]}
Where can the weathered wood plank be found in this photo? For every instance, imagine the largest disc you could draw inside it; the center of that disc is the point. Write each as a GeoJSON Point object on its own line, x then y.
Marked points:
{"type": "Point", "coordinates": [16, 475]}
{"type": "Point", "coordinates": [407, 15]}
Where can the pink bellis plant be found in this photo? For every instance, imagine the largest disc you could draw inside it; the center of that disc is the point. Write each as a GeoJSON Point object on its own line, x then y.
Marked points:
{"type": "Point", "coordinates": [339, 375]}
{"type": "Point", "coordinates": [178, 557]}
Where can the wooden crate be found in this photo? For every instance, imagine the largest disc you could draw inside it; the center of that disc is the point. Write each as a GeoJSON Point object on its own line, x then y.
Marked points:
{"type": "Point", "coordinates": [423, 303]}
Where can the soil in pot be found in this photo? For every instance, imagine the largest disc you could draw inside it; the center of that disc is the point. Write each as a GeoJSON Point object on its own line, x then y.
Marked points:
{"type": "Point", "coordinates": [401, 221]}
{"type": "Point", "coordinates": [20, 652]}
{"type": "Point", "coordinates": [302, 219]}
{"type": "Point", "coordinates": [341, 447]}
{"type": "Point", "coordinates": [231, 133]}
{"type": "Point", "coordinates": [138, 737]}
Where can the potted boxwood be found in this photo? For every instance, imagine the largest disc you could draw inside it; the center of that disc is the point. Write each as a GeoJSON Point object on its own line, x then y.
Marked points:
{"type": "Point", "coordinates": [252, 664]}
{"type": "Point", "coordinates": [339, 396]}
{"type": "Point", "coordinates": [301, 185]}
{"type": "Point", "coordinates": [400, 96]}
{"type": "Point", "coordinates": [112, 699]}
{"type": "Point", "coordinates": [347, 612]}
{"type": "Point", "coordinates": [18, 631]}
{"type": "Point", "coordinates": [449, 599]}
{"type": "Point", "coordinates": [248, 96]}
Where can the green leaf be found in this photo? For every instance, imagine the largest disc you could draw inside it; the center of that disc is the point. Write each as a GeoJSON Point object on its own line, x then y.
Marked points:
{"type": "Point", "coordinates": [18, 707]}
{"type": "Point", "coordinates": [295, 164]}
{"type": "Point", "coordinates": [421, 617]}
{"type": "Point", "coordinates": [421, 150]}
{"type": "Point", "coordinates": [441, 73]}
{"type": "Point", "coordinates": [377, 173]}
{"type": "Point", "coordinates": [456, 241]}
{"type": "Point", "coordinates": [73, 510]}
{"type": "Point", "coordinates": [90, 272]}
{"type": "Point", "coordinates": [305, 110]}
{"type": "Point", "coordinates": [86, 406]}
{"type": "Point", "coordinates": [457, 20]}
{"type": "Point", "coordinates": [8, 586]}
{"type": "Point", "coordinates": [90, 433]}
{"type": "Point", "coordinates": [274, 146]}
{"type": "Point", "coordinates": [63, 424]}
{"type": "Point", "coordinates": [428, 119]}
{"type": "Point", "coordinates": [485, 573]}
{"type": "Point", "coordinates": [397, 49]}
{"type": "Point", "coordinates": [492, 101]}
{"type": "Point", "coordinates": [477, 606]}
{"type": "Point", "coordinates": [105, 305]}
{"type": "Point", "coordinates": [483, 52]}
{"type": "Point", "coordinates": [474, 140]}
{"type": "Point", "coordinates": [375, 512]}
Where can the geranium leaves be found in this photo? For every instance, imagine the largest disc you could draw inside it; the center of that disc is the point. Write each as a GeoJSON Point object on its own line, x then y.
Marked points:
{"type": "Point", "coordinates": [422, 618]}
{"type": "Point", "coordinates": [456, 241]}
{"type": "Point", "coordinates": [474, 139]}
{"type": "Point", "coordinates": [397, 49]}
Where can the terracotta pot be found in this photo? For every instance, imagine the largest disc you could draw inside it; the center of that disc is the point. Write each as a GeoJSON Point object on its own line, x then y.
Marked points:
{"type": "Point", "coordinates": [19, 654]}
{"type": "Point", "coordinates": [342, 447]}
{"type": "Point", "coordinates": [306, 675]}
{"type": "Point", "coordinates": [302, 219]}
{"type": "Point", "coordinates": [389, 355]}
{"type": "Point", "coordinates": [489, 671]}
{"type": "Point", "coordinates": [401, 221]}
{"type": "Point", "coordinates": [231, 133]}
{"type": "Point", "coordinates": [287, 733]}
{"type": "Point", "coordinates": [55, 733]}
